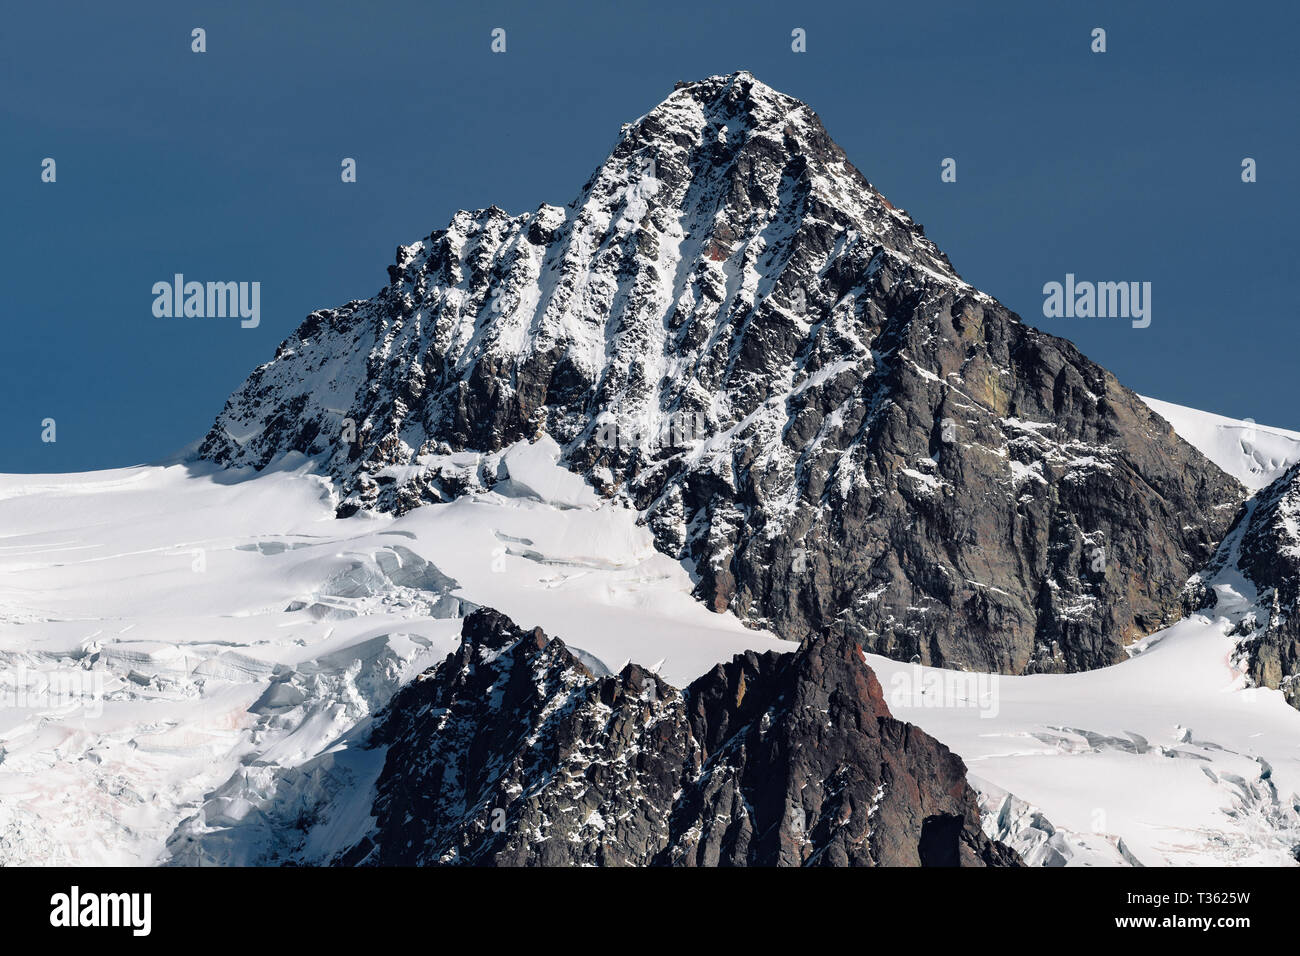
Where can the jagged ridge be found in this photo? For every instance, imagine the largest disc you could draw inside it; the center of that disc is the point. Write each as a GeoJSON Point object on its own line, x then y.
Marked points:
{"type": "Point", "coordinates": [511, 752]}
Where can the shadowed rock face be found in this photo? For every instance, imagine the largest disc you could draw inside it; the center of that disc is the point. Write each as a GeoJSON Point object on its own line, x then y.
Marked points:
{"type": "Point", "coordinates": [511, 752]}
{"type": "Point", "coordinates": [734, 332]}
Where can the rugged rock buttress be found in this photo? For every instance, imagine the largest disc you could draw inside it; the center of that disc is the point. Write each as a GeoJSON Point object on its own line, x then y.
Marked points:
{"type": "Point", "coordinates": [511, 752]}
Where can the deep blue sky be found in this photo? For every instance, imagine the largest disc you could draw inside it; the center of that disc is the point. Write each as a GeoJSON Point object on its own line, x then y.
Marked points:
{"type": "Point", "coordinates": [225, 166]}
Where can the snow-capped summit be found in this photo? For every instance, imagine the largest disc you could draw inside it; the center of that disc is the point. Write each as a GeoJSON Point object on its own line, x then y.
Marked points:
{"type": "Point", "coordinates": [732, 333]}
{"type": "Point", "coordinates": [731, 330]}
{"type": "Point", "coordinates": [632, 289]}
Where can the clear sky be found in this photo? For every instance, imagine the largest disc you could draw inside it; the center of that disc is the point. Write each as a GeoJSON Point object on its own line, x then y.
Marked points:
{"type": "Point", "coordinates": [225, 165]}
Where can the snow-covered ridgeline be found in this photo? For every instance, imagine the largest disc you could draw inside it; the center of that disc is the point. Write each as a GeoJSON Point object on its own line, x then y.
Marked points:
{"type": "Point", "coordinates": [1254, 454]}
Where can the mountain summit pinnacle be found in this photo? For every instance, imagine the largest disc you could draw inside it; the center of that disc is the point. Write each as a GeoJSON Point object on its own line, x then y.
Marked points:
{"type": "Point", "coordinates": [741, 133]}
{"type": "Point", "coordinates": [731, 331]}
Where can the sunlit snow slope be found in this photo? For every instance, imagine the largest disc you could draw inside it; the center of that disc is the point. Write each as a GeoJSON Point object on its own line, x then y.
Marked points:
{"type": "Point", "coordinates": [198, 625]}
{"type": "Point", "coordinates": [1162, 760]}
{"type": "Point", "coordinates": [1253, 454]}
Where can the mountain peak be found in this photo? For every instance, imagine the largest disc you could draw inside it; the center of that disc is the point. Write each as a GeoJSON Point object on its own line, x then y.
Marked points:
{"type": "Point", "coordinates": [731, 331]}
{"type": "Point", "coordinates": [735, 118]}
{"type": "Point", "coordinates": [734, 94]}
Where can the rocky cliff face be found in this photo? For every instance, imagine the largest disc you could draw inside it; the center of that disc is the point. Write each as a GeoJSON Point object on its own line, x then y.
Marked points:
{"type": "Point", "coordinates": [731, 330]}
{"type": "Point", "coordinates": [511, 752]}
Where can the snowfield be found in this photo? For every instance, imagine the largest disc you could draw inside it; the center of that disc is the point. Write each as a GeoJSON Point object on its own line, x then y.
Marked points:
{"type": "Point", "coordinates": [165, 631]}
{"type": "Point", "coordinates": [1166, 759]}
{"type": "Point", "coordinates": [179, 641]}
{"type": "Point", "coordinates": [1254, 454]}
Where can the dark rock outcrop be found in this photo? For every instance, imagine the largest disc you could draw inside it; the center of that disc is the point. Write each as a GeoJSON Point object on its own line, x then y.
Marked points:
{"type": "Point", "coordinates": [511, 752]}
{"type": "Point", "coordinates": [733, 331]}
